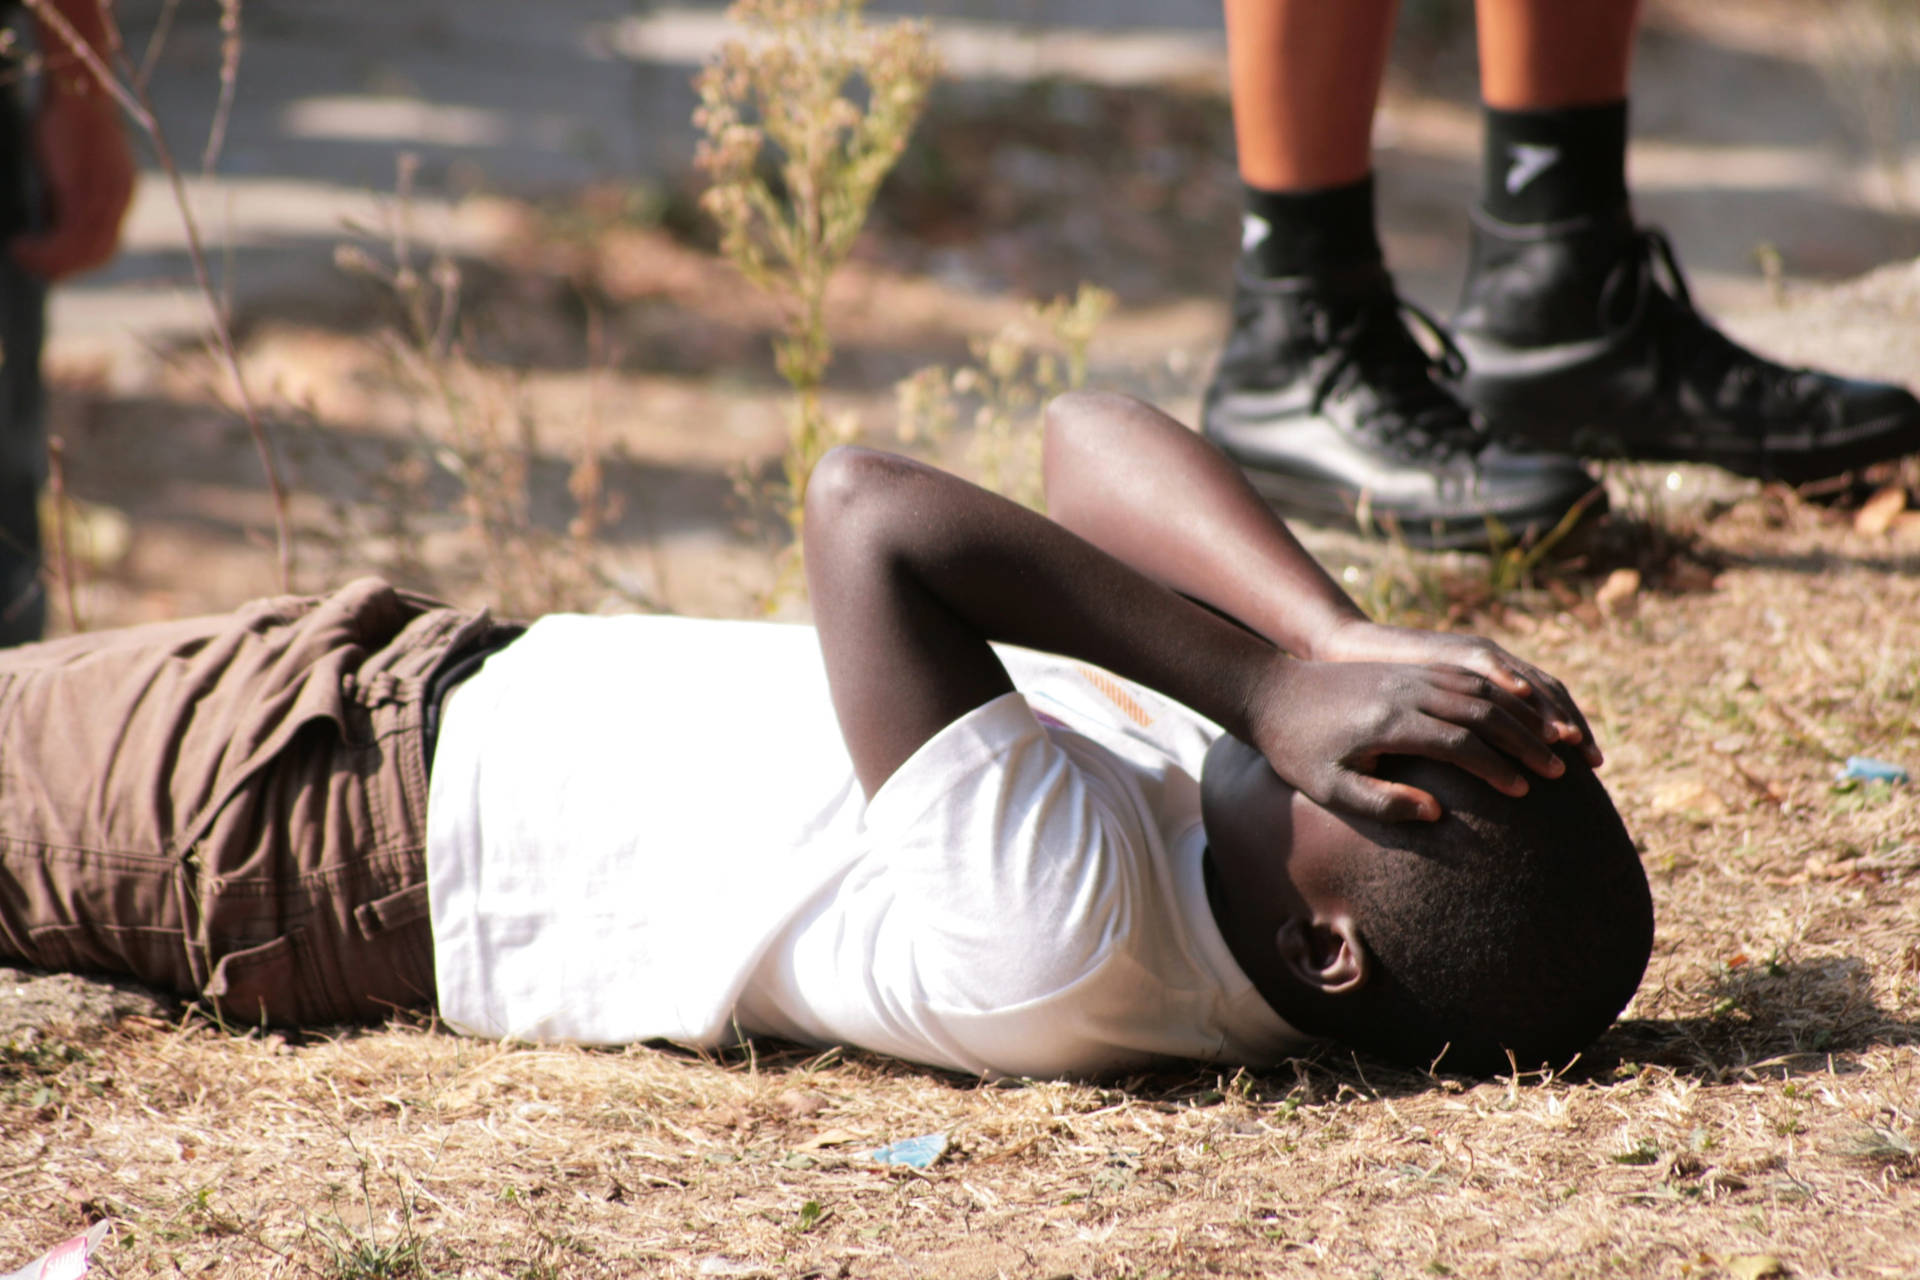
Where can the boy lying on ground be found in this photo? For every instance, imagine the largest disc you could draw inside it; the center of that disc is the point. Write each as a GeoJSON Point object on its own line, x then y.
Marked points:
{"type": "Point", "coordinates": [651, 827]}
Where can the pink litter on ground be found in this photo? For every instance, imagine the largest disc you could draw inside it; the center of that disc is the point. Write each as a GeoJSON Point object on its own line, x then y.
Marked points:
{"type": "Point", "coordinates": [65, 1261]}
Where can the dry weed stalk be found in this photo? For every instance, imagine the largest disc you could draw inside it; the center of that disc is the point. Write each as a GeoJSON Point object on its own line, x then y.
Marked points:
{"type": "Point", "coordinates": [1015, 371]}
{"type": "Point", "coordinates": [128, 87]}
{"type": "Point", "coordinates": [802, 122]}
{"type": "Point", "coordinates": [62, 548]}
{"type": "Point", "coordinates": [469, 422]}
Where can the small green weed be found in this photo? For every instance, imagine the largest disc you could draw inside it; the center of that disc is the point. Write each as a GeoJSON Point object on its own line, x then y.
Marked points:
{"type": "Point", "coordinates": [364, 1259]}
{"type": "Point", "coordinates": [361, 1253]}
{"type": "Point", "coordinates": [1855, 795]}
{"type": "Point", "coordinates": [1645, 1151]}
{"type": "Point", "coordinates": [37, 1072]}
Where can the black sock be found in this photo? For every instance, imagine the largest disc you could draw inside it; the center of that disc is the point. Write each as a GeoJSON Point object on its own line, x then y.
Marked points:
{"type": "Point", "coordinates": [1555, 166]}
{"type": "Point", "coordinates": [1291, 233]}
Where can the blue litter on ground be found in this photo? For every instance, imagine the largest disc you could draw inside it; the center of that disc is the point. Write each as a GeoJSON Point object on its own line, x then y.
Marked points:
{"type": "Point", "coordinates": [1867, 769]}
{"type": "Point", "coordinates": [919, 1153]}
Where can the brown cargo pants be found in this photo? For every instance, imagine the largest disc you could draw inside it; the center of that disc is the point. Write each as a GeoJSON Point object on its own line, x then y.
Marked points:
{"type": "Point", "coordinates": [232, 808]}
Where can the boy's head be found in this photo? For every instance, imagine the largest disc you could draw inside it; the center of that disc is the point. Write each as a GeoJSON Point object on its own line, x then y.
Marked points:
{"type": "Point", "coordinates": [1510, 926]}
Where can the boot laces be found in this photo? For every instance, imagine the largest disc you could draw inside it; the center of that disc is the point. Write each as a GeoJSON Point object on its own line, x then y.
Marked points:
{"type": "Point", "coordinates": [1375, 347]}
{"type": "Point", "coordinates": [1731, 376]}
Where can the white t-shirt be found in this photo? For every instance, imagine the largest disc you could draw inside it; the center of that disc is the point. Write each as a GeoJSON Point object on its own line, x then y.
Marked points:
{"type": "Point", "coordinates": [649, 827]}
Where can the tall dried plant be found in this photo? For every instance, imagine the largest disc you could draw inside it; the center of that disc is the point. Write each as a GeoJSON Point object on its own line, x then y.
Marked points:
{"type": "Point", "coordinates": [803, 119]}
{"type": "Point", "coordinates": [468, 421]}
{"type": "Point", "coordinates": [1014, 372]}
{"type": "Point", "coordinates": [114, 73]}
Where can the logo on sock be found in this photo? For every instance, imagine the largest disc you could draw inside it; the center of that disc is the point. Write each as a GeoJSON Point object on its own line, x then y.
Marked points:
{"type": "Point", "coordinates": [1529, 162]}
{"type": "Point", "coordinates": [1254, 229]}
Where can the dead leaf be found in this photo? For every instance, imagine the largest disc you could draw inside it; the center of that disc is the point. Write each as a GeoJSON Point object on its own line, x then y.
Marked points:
{"type": "Point", "coordinates": [1618, 595]}
{"type": "Point", "coordinates": [1765, 788]}
{"type": "Point", "coordinates": [1840, 869]}
{"type": "Point", "coordinates": [1876, 514]}
{"type": "Point", "coordinates": [828, 1138]}
{"type": "Point", "coordinates": [1688, 795]}
{"type": "Point", "coordinates": [1685, 1166]}
{"type": "Point", "coordinates": [1688, 576]}
{"type": "Point", "coordinates": [799, 1103]}
{"type": "Point", "coordinates": [1755, 1266]}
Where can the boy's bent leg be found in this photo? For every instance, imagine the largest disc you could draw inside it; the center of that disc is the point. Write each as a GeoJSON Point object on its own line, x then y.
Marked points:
{"type": "Point", "coordinates": [230, 807]}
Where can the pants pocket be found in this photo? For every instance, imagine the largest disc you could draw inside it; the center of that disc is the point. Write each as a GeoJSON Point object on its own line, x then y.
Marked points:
{"type": "Point", "coordinates": [409, 906]}
{"type": "Point", "coordinates": [395, 958]}
{"type": "Point", "coordinates": [269, 983]}
{"type": "Point", "coordinates": [332, 972]}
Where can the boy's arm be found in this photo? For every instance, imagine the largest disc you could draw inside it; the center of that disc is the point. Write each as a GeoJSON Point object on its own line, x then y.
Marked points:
{"type": "Point", "coordinates": [1157, 496]}
{"type": "Point", "coordinates": [913, 571]}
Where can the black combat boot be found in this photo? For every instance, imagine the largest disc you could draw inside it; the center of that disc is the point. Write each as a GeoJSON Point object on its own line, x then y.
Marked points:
{"type": "Point", "coordinates": [1339, 416]}
{"type": "Point", "coordinates": [1580, 336]}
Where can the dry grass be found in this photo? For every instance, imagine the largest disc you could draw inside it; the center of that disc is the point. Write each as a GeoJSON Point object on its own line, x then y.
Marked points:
{"type": "Point", "coordinates": [1759, 1102]}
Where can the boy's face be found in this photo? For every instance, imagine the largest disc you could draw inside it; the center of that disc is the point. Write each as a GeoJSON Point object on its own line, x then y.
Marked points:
{"type": "Point", "coordinates": [1281, 864]}
{"type": "Point", "coordinates": [1269, 841]}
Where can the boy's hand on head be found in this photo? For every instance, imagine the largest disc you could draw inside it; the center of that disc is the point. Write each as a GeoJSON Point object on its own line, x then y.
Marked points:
{"type": "Point", "coordinates": [1323, 726]}
{"type": "Point", "coordinates": [1362, 641]}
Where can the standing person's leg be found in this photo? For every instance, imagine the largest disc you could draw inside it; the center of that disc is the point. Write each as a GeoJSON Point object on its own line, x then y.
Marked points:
{"type": "Point", "coordinates": [1322, 394]}
{"type": "Point", "coordinates": [23, 455]}
{"type": "Point", "coordinates": [1577, 324]}
{"type": "Point", "coordinates": [1545, 56]}
{"type": "Point", "coordinates": [1305, 79]}
{"type": "Point", "coordinates": [23, 446]}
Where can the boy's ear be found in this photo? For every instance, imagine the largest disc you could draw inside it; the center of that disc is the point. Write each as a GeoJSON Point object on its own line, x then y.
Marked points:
{"type": "Point", "coordinates": [1326, 956]}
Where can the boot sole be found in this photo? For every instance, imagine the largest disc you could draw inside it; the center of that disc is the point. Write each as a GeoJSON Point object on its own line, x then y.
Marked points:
{"type": "Point", "coordinates": [1318, 503]}
{"type": "Point", "coordinates": [1542, 393]}
{"type": "Point", "coordinates": [1874, 442]}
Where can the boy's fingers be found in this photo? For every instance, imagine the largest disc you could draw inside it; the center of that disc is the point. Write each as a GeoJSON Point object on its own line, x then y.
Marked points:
{"type": "Point", "coordinates": [1452, 743]}
{"type": "Point", "coordinates": [1539, 721]}
{"type": "Point", "coordinates": [1589, 745]}
{"type": "Point", "coordinates": [1508, 674]}
{"type": "Point", "coordinates": [1494, 723]}
{"type": "Point", "coordinates": [1559, 717]}
{"type": "Point", "coordinates": [1386, 801]}
{"type": "Point", "coordinates": [1564, 703]}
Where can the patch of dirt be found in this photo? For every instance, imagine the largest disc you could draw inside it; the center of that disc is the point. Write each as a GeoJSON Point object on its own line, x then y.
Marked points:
{"type": "Point", "coordinates": [35, 1004]}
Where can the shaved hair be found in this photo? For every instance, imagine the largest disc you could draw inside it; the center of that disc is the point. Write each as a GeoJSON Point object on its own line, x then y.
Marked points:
{"type": "Point", "coordinates": [1507, 935]}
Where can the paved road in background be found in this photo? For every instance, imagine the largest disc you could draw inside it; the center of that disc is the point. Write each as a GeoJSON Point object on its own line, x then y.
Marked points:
{"type": "Point", "coordinates": [1739, 147]}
